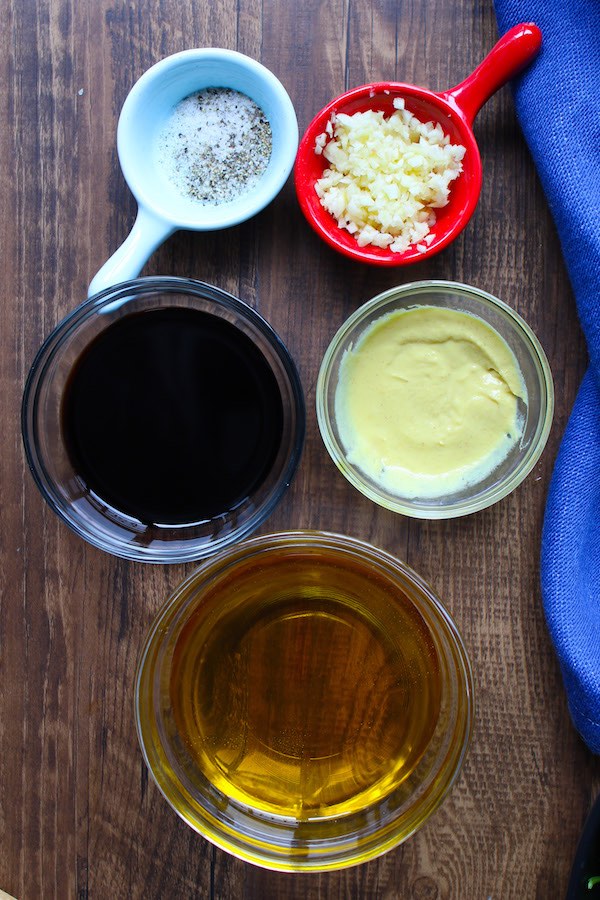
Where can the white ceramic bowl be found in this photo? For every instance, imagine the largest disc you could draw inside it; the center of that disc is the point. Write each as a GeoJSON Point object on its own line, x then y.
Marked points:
{"type": "Point", "coordinates": [161, 209]}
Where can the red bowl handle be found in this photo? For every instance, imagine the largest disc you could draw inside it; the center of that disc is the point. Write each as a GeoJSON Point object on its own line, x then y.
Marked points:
{"type": "Point", "coordinates": [507, 58]}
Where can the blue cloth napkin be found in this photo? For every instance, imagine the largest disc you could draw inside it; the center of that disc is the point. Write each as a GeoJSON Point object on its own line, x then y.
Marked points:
{"type": "Point", "coordinates": [558, 105]}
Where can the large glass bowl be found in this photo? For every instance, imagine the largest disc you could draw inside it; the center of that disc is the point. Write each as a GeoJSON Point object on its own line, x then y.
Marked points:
{"type": "Point", "coordinates": [304, 701]}
{"type": "Point", "coordinates": [91, 516]}
{"type": "Point", "coordinates": [536, 411]}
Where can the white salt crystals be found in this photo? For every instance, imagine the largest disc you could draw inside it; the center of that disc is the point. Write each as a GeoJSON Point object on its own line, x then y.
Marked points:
{"type": "Point", "coordinates": [386, 176]}
{"type": "Point", "coordinates": [215, 146]}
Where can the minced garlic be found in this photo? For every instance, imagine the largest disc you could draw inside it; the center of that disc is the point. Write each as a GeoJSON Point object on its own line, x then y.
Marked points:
{"type": "Point", "coordinates": [386, 176]}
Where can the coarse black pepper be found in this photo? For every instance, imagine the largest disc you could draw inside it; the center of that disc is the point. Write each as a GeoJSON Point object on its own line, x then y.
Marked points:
{"type": "Point", "coordinates": [215, 146]}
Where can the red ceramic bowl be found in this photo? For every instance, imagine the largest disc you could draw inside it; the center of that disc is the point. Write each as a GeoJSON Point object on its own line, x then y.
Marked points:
{"type": "Point", "coordinates": [455, 111]}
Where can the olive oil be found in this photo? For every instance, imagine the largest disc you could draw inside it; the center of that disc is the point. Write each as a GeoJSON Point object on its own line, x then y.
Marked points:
{"type": "Point", "coordinates": [304, 684]}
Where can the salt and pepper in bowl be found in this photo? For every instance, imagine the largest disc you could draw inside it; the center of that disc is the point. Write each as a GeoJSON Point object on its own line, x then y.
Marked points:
{"type": "Point", "coordinates": [242, 107]}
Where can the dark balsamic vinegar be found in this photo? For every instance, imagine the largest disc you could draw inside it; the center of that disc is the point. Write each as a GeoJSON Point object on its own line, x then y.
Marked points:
{"type": "Point", "coordinates": [172, 416]}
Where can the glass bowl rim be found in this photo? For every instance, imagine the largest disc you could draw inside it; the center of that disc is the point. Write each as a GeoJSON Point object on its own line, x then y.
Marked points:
{"type": "Point", "coordinates": [170, 615]}
{"type": "Point", "coordinates": [50, 349]}
{"type": "Point", "coordinates": [405, 292]}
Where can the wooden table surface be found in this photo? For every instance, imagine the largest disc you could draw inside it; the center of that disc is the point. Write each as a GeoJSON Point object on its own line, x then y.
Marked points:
{"type": "Point", "coordinates": [79, 816]}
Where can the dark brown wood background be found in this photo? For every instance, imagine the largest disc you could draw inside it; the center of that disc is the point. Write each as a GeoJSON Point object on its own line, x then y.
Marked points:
{"type": "Point", "coordinates": [78, 815]}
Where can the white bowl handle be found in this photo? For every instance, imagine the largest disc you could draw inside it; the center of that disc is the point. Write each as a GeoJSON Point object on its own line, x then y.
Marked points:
{"type": "Point", "coordinates": [147, 234]}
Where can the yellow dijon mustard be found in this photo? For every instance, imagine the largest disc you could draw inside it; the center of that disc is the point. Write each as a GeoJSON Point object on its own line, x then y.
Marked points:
{"type": "Point", "coordinates": [428, 401]}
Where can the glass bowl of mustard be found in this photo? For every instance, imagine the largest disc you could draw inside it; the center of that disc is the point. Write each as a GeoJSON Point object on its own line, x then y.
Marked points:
{"type": "Point", "coordinates": [304, 701]}
{"type": "Point", "coordinates": [435, 399]}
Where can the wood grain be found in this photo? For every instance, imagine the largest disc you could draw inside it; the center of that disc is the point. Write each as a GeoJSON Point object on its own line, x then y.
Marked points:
{"type": "Point", "coordinates": [79, 817]}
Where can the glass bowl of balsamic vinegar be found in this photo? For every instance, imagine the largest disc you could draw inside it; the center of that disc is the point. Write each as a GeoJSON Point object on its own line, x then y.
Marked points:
{"type": "Point", "coordinates": [163, 419]}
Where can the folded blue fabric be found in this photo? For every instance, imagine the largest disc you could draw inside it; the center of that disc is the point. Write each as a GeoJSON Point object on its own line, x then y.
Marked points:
{"type": "Point", "coordinates": [557, 105]}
